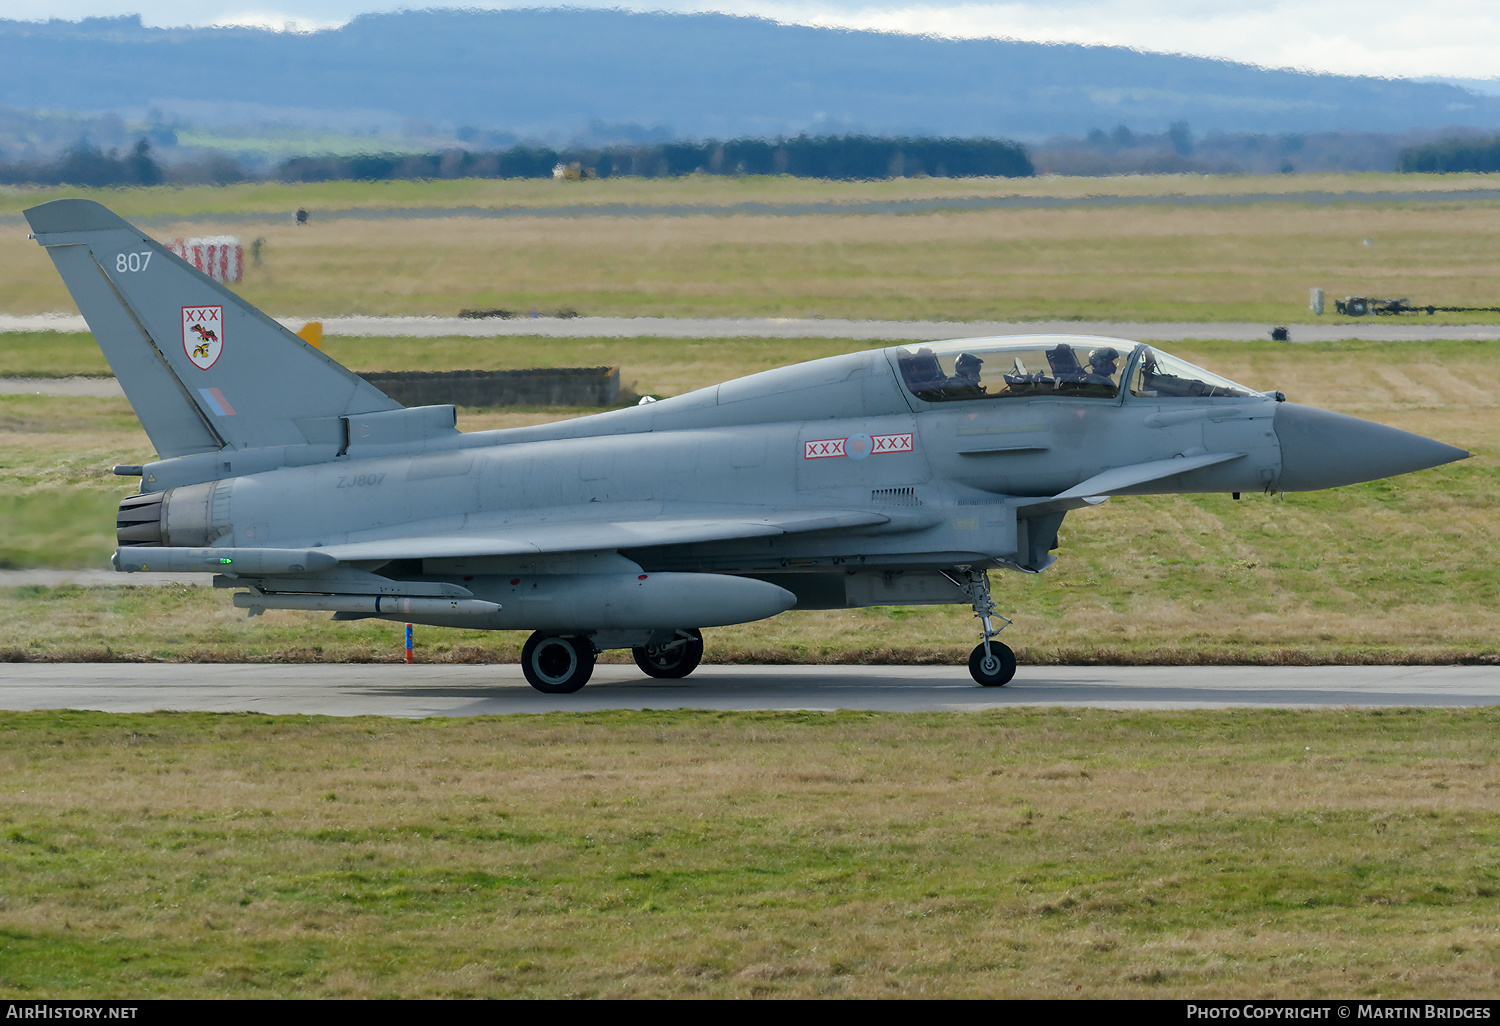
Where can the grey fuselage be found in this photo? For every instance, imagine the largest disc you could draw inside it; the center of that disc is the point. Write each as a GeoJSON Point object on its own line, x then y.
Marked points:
{"type": "Point", "coordinates": [969, 488]}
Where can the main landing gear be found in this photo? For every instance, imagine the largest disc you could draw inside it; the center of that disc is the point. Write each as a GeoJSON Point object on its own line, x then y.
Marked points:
{"type": "Point", "coordinates": [673, 659]}
{"type": "Point", "coordinates": [561, 664]}
{"type": "Point", "coordinates": [992, 664]}
{"type": "Point", "coordinates": [557, 665]}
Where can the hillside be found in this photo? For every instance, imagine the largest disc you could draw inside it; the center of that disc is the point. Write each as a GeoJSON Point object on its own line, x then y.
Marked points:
{"type": "Point", "coordinates": [612, 76]}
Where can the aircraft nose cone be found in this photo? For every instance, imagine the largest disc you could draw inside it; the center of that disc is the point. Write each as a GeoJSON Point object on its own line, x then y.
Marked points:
{"type": "Point", "coordinates": [1320, 449]}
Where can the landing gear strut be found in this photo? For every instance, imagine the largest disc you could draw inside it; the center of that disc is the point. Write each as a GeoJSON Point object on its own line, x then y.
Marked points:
{"type": "Point", "coordinates": [673, 659]}
{"type": "Point", "coordinates": [992, 664]}
{"type": "Point", "coordinates": [557, 665]}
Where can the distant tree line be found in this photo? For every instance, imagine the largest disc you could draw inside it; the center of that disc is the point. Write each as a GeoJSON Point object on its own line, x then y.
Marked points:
{"type": "Point", "coordinates": [1097, 153]}
{"type": "Point", "coordinates": [517, 162]}
{"type": "Point", "coordinates": [834, 157]}
{"type": "Point", "coordinates": [88, 165]}
{"type": "Point", "coordinates": [1452, 155]}
{"type": "Point", "coordinates": [845, 157]}
{"type": "Point", "coordinates": [1123, 151]}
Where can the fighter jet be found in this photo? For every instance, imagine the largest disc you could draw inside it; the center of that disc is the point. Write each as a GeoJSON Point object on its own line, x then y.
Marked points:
{"type": "Point", "coordinates": [895, 476]}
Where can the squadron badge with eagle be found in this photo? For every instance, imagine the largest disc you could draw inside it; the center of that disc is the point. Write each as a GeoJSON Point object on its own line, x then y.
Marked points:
{"type": "Point", "coordinates": [203, 334]}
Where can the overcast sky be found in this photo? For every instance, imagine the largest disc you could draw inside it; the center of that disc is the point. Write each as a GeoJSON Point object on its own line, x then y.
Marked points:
{"type": "Point", "coordinates": [1390, 38]}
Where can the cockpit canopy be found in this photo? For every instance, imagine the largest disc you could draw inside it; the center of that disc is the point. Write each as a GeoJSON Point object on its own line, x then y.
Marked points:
{"type": "Point", "coordinates": [1056, 365]}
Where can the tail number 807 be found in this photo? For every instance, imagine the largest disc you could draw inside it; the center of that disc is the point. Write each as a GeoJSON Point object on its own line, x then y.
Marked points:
{"type": "Point", "coordinates": [125, 262]}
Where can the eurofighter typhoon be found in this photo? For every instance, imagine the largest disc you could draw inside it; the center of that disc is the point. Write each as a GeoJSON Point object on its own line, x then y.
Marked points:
{"type": "Point", "coordinates": [895, 476]}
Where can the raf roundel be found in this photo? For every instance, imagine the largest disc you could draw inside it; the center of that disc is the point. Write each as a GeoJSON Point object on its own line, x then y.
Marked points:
{"type": "Point", "coordinates": [203, 334]}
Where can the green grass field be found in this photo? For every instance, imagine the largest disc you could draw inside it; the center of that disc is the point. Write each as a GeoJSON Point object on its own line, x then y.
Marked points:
{"type": "Point", "coordinates": [1025, 853]}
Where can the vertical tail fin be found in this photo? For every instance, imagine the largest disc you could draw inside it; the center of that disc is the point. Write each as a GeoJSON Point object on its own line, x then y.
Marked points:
{"type": "Point", "coordinates": [204, 369]}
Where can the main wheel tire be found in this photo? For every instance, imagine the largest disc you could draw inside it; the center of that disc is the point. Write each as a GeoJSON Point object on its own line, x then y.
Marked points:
{"type": "Point", "coordinates": [556, 665]}
{"type": "Point", "coordinates": [671, 661]}
{"type": "Point", "coordinates": [992, 669]}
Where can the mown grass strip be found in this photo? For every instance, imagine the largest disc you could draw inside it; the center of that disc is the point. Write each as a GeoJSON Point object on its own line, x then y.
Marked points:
{"type": "Point", "coordinates": [1019, 853]}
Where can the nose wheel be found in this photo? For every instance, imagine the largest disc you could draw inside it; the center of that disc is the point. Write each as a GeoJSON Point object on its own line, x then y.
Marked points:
{"type": "Point", "coordinates": [991, 664]}
{"type": "Point", "coordinates": [557, 665]}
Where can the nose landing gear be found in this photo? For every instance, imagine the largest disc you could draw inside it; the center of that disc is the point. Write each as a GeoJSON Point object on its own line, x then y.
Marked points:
{"type": "Point", "coordinates": [992, 664]}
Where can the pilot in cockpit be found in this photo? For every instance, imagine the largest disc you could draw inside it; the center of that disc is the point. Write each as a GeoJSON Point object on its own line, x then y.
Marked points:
{"type": "Point", "coordinates": [965, 380]}
{"type": "Point", "coordinates": [1104, 364]}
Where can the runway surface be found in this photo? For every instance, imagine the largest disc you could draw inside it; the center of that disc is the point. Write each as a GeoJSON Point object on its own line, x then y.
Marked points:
{"type": "Point", "coordinates": [884, 331]}
{"type": "Point", "coordinates": [887, 207]}
{"type": "Point", "coordinates": [94, 388]}
{"type": "Point", "coordinates": [98, 578]}
{"type": "Point", "coordinates": [447, 690]}
{"type": "Point", "coordinates": [916, 205]}
{"type": "Point", "coordinates": [1383, 330]}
